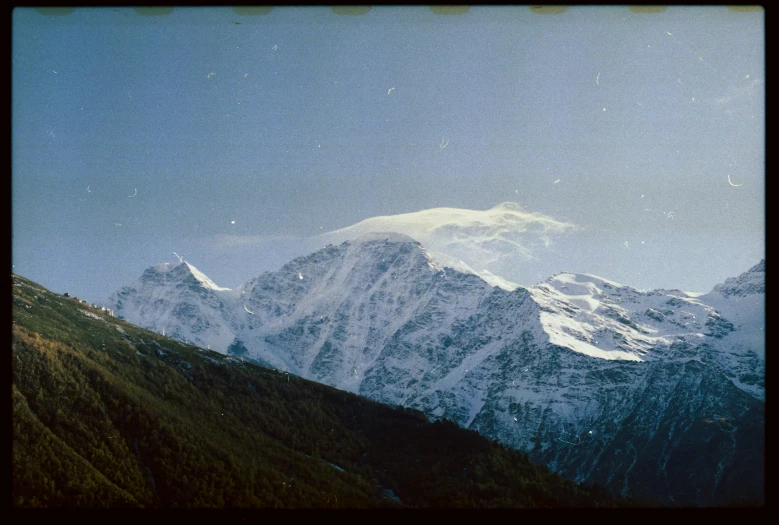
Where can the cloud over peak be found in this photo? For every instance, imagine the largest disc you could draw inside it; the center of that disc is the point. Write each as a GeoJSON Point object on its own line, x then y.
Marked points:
{"type": "Point", "coordinates": [506, 234]}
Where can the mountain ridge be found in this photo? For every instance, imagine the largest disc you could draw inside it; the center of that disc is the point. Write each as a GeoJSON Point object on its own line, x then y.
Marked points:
{"type": "Point", "coordinates": [107, 414]}
{"type": "Point", "coordinates": [527, 367]}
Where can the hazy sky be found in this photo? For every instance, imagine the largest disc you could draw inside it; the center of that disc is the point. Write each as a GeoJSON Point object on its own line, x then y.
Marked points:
{"type": "Point", "coordinates": [136, 136]}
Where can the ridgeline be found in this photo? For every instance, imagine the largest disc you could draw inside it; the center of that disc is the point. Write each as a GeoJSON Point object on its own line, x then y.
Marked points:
{"type": "Point", "coordinates": [107, 414]}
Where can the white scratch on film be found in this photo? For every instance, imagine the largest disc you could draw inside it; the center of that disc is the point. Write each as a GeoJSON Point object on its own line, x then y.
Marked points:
{"type": "Point", "coordinates": [134, 194]}
{"type": "Point", "coordinates": [731, 183]}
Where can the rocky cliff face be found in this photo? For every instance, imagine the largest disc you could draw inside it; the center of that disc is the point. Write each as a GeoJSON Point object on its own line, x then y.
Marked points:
{"type": "Point", "coordinates": [653, 394]}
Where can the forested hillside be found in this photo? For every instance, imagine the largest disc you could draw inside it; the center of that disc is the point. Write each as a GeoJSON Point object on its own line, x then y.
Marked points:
{"type": "Point", "coordinates": [106, 414]}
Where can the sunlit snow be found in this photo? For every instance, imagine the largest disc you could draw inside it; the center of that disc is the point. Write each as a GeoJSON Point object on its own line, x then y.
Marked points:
{"type": "Point", "coordinates": [200, 276]}
{"type": "Point", "coordinates": [478, 238]}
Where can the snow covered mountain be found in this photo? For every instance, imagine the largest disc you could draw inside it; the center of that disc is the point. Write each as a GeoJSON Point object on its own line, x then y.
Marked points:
{"type": "Point", "coordinates": [656, 394]}
{"type": "Point", "coordinates": [179, 301]}
{"type": "Point", "coordinates": [503, 239]}
{"type": "Point", "coordinates": [741, 355]}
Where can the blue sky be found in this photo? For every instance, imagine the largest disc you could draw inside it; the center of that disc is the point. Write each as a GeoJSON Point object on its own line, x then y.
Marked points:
{"type": "Point", "coordinates": [281, 126]}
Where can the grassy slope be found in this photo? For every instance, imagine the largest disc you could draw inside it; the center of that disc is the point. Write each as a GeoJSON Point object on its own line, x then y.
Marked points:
{"type": "Point", "coordinates": [108, 414]}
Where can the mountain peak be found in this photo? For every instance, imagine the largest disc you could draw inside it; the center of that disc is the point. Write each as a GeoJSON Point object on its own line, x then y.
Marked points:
{"type": "Point", "coordinates": [157, 273]}
{"type": "Point", "coordinates": [203, 278]}
{"type": "Point", "coordinates": [759, 267]}
{"type": "Point", "coordinates": [748, 283]}
{"type": "Point", "coordinates": [384, 236]}
{"type": "Point", "coordinates": [166, 272]}
{"type": "Point", "coordinates": [583, 283]}
{"type": "Point", "coordinates": [508, 205]}
{"type": "Point", "coordinates": [504, 239]}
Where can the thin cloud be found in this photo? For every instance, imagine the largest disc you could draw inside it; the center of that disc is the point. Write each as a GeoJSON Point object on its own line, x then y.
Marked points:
{"type": "Point", "coordinates": [481, 239]}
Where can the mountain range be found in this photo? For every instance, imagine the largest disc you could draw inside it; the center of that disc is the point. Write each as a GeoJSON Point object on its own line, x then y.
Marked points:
{"type": "Point", "coordinates": [108, 414]}
{"type": "Point", "coordinates": [653, 394]}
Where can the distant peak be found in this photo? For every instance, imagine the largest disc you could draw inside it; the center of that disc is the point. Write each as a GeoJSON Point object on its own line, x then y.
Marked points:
{"type": "Point", "coordinates": [578, 283]}
{"type": "Point", "coordinates": [759, 267]}
{"type": "Point", "coordinates": [384, 236]}
{"type": "Point", "coordinates": [513, 206]}
{"type": "Point", "coordinates": [165, 272]}
{"type": "Point", "coordinates": [202, 278]}
{"type": "Point", "coordinates": [750, 282]}
{"type": "Point", "coordinates": [157, 273]}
